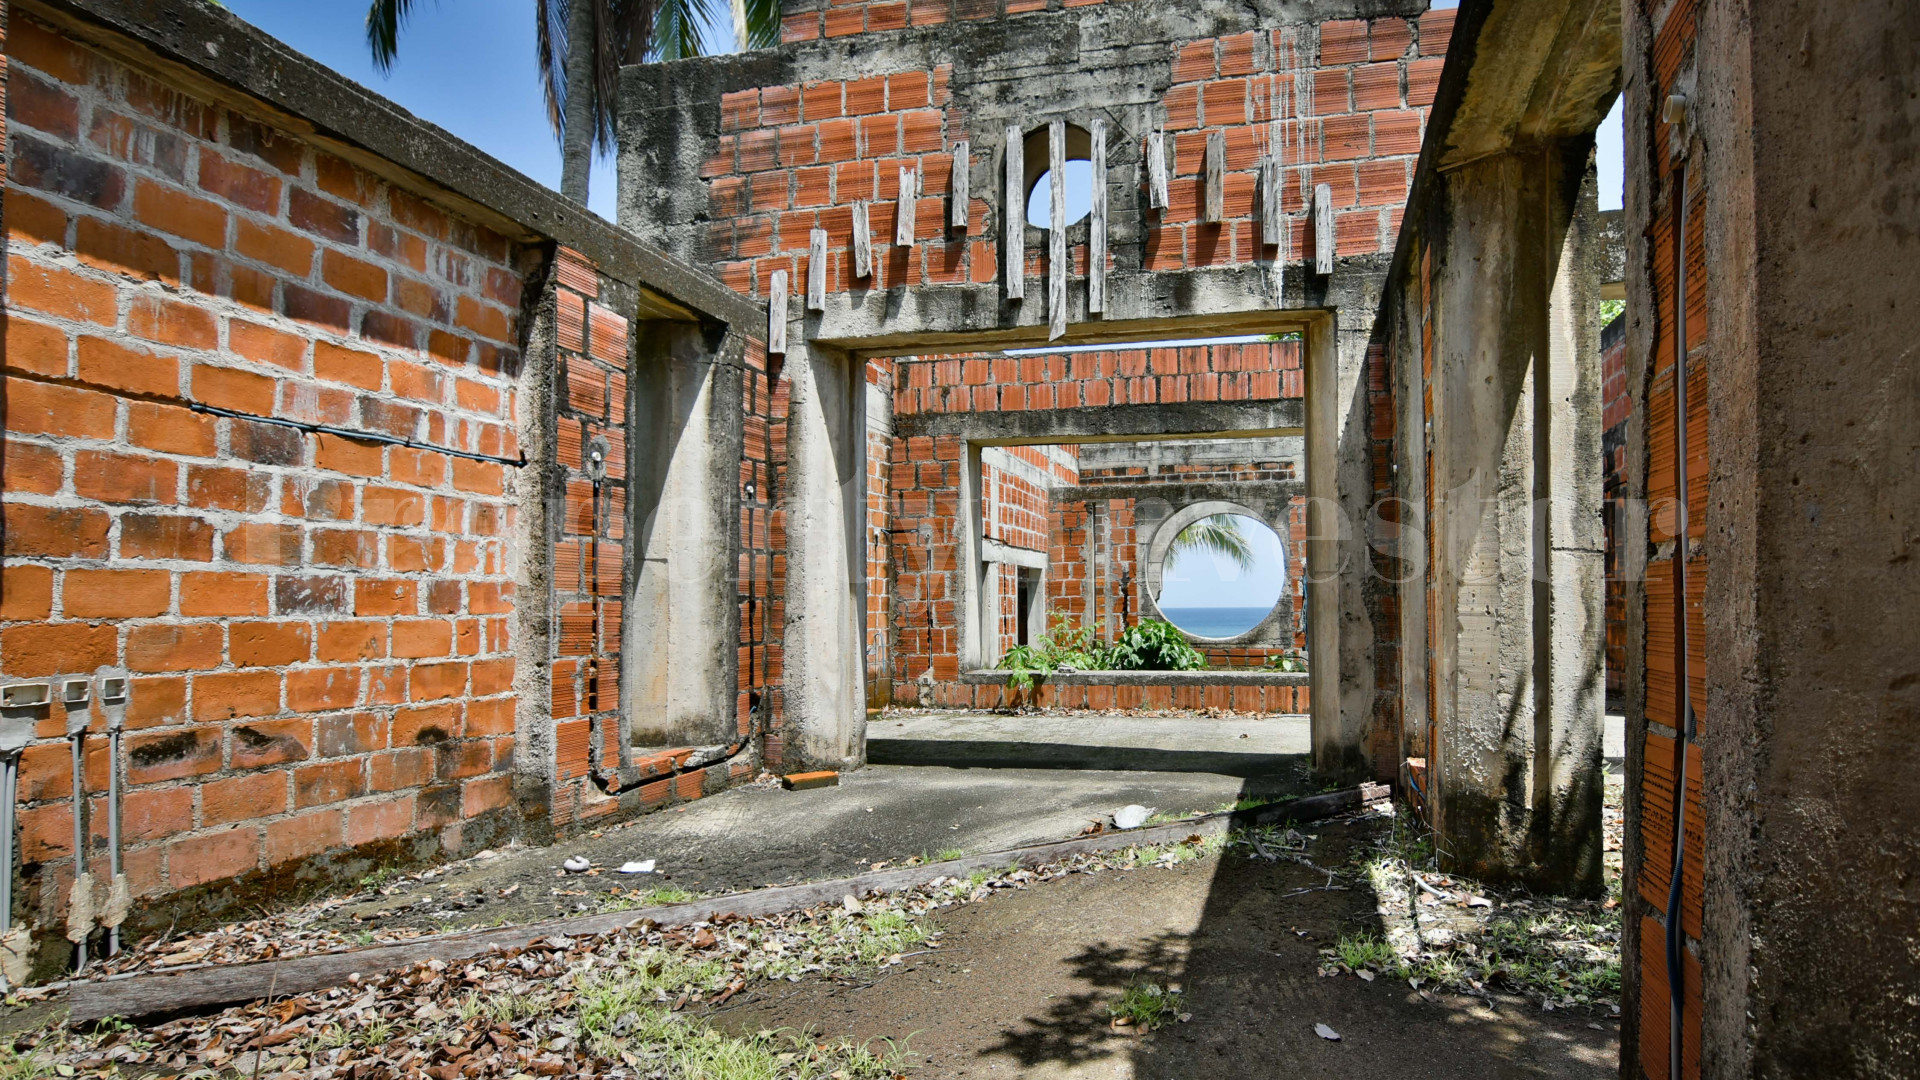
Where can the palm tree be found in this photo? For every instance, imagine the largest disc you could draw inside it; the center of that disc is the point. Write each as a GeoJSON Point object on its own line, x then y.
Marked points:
{"type": "Point", "coordinates": [1219, 534]}
{"type": "Point", "coordinates": [582, 46]}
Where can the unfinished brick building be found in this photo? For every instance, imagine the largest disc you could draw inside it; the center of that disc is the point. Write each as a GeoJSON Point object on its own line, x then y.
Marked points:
{"type": "Point", "coordinates": [422, 509]}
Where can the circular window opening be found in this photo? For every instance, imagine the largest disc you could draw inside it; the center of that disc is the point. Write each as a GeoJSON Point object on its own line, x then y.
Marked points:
{"type": "Point", "coordinates": [1222, 576]}
{"type": "Point", "coordinates": [1079, 201]}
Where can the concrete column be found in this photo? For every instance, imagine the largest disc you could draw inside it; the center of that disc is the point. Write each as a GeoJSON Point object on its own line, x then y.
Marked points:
{"type": "Point", "coordinates": [686, 430]}
{"type": "Point", "coordinates": [1519, 635]}
{"type": "Point", "coordinates": [824, 502]}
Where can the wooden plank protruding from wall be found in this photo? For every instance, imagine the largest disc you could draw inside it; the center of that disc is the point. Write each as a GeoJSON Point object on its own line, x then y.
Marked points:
{"type": "Point", "coordinates": [1013, 213]}
{"type": "Point", "coordinates": [1058, 268]}
{"type": "Point", "coordinates": [777, 312]}
{"type": "Point", "coordinates": [862, 242]}
{"type": "Point", "coordinates": [1097, 229]}
{"type": "Point", "coordinates": [909, 199]}
{"type": "Point", "coordinates": [1216, 177]}
{"type": "Point", "coordinates": [961, 184]}
{"type": "Point", "coordinates": [817, 270]}
{"type": "Point", "coordinates": [1157, 170]}
{"type": "Point", "coordinates": [1323, 242]}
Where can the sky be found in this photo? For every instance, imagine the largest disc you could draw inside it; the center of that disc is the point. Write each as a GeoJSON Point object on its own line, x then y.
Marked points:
{"type": "Point", "coordinates": [466, 65]}
{"type": "Point", "coordinates": [1199, 579]}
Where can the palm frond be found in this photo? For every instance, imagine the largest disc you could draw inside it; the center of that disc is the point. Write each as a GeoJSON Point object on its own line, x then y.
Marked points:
{"type": "Point", "coordinates": [384, 19]}
{"type": "Point", "coordinates": [1220, 535]}
{"type": "Point", "coordinates": [676, 30]}
{"type": "Point", "coordinates": [550, 45]}
{"type": "Point", "coordinates": [763, 24]}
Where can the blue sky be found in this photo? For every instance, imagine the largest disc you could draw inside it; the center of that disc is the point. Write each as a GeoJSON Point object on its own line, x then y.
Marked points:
{"type": "Point", "coordinates": [1199, 579]}
{"type": "Point", "coordinates": [466, 65]}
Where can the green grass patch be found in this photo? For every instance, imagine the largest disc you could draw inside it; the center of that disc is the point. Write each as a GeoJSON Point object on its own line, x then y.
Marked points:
{"type": "Point", "coordinates": [1147, 1005]}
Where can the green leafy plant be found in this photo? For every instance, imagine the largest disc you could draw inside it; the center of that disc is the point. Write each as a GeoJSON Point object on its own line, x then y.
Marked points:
{"type": "Point", "coordinates": [1153, 645]}
{"type": "Point", "coordinates": [1610, 310]}
{"type": "Point", "coordinates": [1289, 661]}
{"type": "Point", "coordinates": [1065, 647]}
{"type": "Point", "coordinates": [1148, 1005]}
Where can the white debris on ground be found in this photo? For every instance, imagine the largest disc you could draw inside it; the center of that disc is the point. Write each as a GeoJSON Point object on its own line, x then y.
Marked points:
{"type": "Point", "coordinates": [605, 1005]}
{"type": "Point", "coordinates": [1447, 933]}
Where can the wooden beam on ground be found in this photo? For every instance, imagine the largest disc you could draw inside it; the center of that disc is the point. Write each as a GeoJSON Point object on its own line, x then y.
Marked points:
{"type": "Point", "coordinates": [206, 989]}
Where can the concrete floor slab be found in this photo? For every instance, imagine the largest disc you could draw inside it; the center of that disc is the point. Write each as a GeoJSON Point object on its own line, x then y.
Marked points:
{"type": "Point", "coordinates": [1245, 746]}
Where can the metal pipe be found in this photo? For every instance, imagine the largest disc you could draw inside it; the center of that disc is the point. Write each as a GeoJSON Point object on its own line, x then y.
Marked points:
{"type": "Point", "coordinates": [1683, 713]}
{"type": "Point", "coordinates": [10, 782]}
{"type": "Point", "coordinates": [113, 826]}
{"type": "Point", "coordinates": [79, 739]}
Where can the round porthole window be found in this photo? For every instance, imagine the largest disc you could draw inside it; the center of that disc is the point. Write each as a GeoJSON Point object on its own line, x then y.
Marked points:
{"type": "Point", "coordinates": [1221, 575]}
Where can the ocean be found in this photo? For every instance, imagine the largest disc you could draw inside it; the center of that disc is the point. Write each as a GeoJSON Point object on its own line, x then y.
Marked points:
{"type": "Point", "coordinates": [1216, 622]}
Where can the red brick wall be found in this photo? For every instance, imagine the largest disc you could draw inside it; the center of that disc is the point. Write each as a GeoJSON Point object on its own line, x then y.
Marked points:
{"type": "Point", "coordinates": [320, 627]}
{"type": "Point", "coordinates": [1673, 42]}
{"type": "Point", "coordinates": [793, 158]}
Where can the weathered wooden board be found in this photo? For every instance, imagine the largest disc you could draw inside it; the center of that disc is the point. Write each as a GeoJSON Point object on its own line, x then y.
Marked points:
{"type": "Point", "coordinates": [862, 242]}
{"type": "Point", "coordinates": [1157, 170]}
{"type": "Point", "coordinates": [1323, 236]}
{"type": "Point", "coordinates": [210, 988]}
{"type": "Point", "coordinates": [777, 312]}
{"type": "Point", "coordinates": [1013, 214]}
{"type": "Point", "coordinates": [1059, 269]}
{"type": "Point", "coordinates": [960, 184]}
{"type": "Point", "coordinates": [1097, 227]}
{"type": "Point", "coordinates": [817, 270]}
{"type": "Point", "coordinates": [909, 200]}
{"type": "Point", "coordinates": [1216, 177]}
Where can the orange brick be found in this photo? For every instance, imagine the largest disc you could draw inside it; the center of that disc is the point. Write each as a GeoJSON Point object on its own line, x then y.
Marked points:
{"type": "Point", "coordinates": [223, 594]}
{"type": "Point", "coordinates": [35, 408]}
{"type": "Point", "coordinates": [327, 782]}
{"type": "Point", "coordinates": [271, 742]}
{"type": "Point", "coordinates": [264, 543]}
{"type": "Point", "coordinates": [242, 797]}
{"type": "Point", "coordinates": [231, 388]}
{"type": "Point", "coordinates": [417, 638]}
{"type": "Point", "coordinates": [227, 695]}
{"type": "Point", "coordinates": [267, 345]}
{"type": "Point", "coordinates": [36, 347]}
{"type": "Point", "coordinates": [169, 323]}
{"type": "Point", "coordinates": [170, 429]}
{"type": "Point", "coordinates": [34, 649]}
{"type": "Point", "coordinates": [491, 793]}
{"type": "Point", "coordinates": [430, 682]}
{"type": "Point", "coordinates": [200, 859]}
{"type": "Point", "coordinates": [391, 596]}
{"type": "Point", "coordinates": [276, 247]}
{"type": "Point", "coordinates": [340, 364]}
{"type": "Point", "coordinates": [349, 641]}
{"type": "Point", "coordinates": [269, 644]}
{"type": "Point", "coordinates": [240, 184]}
{"type": "Point", "coordinates": [379, 821]}
{"type": "Point", "coordinates": [29, 468]}
{"type": "Point", "coordinates": [165, 536]}
{"type": "Point", "coordinates": [146, 815]}
{"type": "Point", "coordinates": [200, 220]}
{"type": "Point", "coordinates": [322, 689]}
{"type": "Point", "coordinates": [349, 455]}
{"type": "Point", "coordinates": [304, 835]}
{"type": "Point", "coordinates": [153, 757]}
{"type": "Point", "coordinates": [61, 293]}
{"type": "Point", "coordinates": [353, 276]}
{"type": "Point", "coordinates": [211, 488]}
{"type": "Point", "coordinates": [26, 592]}
{"type": "Point", "coordinates": [120, 478]}
{"type": "Point", "coordinates": [115, 594]}
{"type": "Point", "coordinates": [175, 648]}
{"type": "Point", "coordinates": [106, 363]}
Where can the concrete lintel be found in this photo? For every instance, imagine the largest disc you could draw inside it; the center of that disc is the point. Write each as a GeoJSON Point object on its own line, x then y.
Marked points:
{"type": "Point", "coordinates": [1115, 423]}
{"type": "Point", "coordinates": [1140, 306]}
{"type": "Point", "coordinates": [994, 551]}
{"type": "Point", "coordinates": [988, 676]}
{"type": "Point", "coordinates": [214, 52]}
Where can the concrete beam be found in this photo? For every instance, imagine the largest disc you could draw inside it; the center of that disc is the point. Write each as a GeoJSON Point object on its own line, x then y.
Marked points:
{"type": "Point", "coordinates": [1114, 423]}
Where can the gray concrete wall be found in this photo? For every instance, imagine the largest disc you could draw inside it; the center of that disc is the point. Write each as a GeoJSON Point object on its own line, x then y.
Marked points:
{"type": "Point", "coordinates": [1811, 947]}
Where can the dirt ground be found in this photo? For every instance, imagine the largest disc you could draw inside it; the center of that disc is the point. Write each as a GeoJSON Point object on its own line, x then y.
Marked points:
{"type": "Point", "coordinates": [1021, 985]}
